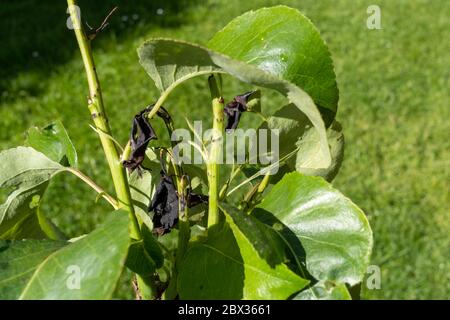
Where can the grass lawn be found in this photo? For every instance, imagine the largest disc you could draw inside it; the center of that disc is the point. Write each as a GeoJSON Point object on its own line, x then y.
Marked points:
{"type": "Point", "coordinates": [394, 107]}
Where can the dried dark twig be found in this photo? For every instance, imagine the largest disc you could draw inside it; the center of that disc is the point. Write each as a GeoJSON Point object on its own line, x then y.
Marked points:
{"type": "Point", "coordinates": [103, 25]}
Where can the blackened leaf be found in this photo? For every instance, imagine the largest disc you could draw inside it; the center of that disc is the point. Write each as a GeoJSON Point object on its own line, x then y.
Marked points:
{"type": "Point", "coordinates": [233, 114]}
{"type": "Point", "coordinates": [234, 109]}
{"type": "Point", "coordinates": [243, 98]}
{"type": "Point", "coordinates": [164, 205]}
{"type": "Point", "coordinates": [141, 134]}
{"type": "Point", "coordinates": [163, 114]}
{"type": "Point", "coordinates": [194, 199]}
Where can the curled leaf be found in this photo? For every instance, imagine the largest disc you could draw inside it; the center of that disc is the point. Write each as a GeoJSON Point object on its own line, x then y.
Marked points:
{"type": "Point", "coordinates": [140, 135]}
{"type": "Point", "coordinates": [194, 199]}
{"type": "Point", "coordinates": [165, 59]}
{"type": "Point", "coordinates": [54, 142]}
{"type": "Point", "coordinates": [24, 175]}
{"type": "Point", "coordinates": [164, 205]}
{"type": "Point", "coordinates": [234, 109]}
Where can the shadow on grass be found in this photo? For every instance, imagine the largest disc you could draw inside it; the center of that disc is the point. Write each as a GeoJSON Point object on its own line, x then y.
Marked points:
{"type": "Point", "coordinates": [34, 36]}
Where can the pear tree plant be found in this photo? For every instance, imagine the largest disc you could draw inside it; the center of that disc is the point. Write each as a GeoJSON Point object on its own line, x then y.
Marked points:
{"type": "Point", "coordinates": [180, 228]}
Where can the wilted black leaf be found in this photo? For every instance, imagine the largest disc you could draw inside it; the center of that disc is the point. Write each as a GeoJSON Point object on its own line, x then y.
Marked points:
{"type": "Point", "coordinates": [234, 109]}
{"type": "Point", "coordinates": [140, 135]}
{"type": "Point", "coordinates": [164, 205]}
{"type": "Point", "coordinates": [194, 199]}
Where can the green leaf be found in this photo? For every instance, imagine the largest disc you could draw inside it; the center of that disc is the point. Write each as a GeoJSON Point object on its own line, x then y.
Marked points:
{"type": "Point", "coordinates": [170, 243]}
{"type": "Point", "coordinates": [88, 268]}
{"type": "Point", "coordinates": [167, 64]}
{"type": "Point", "coordinates": [324, 291]}
{"type": "Point", "coordinates": [197, 175]}
{"type": "Point", "coordinates": [170, 63]}
{"type": "Point", "coordinates": [265, 241]}
{"type": "Point", "coordinates": [324, 228]}
{"type": "Point", "coordinates": [232, 264]}
{"type": "Point", "coordinates": [283, 42]}
{"type": "Point", "coordinates": [254, 102]}
{"type": "Point", "coordinates": [152, 247]}
{"type": "Point", "coordinates": [309, 152]}
{"type": "Point", "coordinates": [139, 261]}
{"type": "Point", "coordinates": [141, 188]}
{"type": "Point", "coordinates": [18, 262]}
{"type": "Point", "coordinates": [54, 142]}
{"type": "Point", "coordinates": [24, 173]}
{"type": "Point", "coordinates": [35, 226]}
{"type": "Point", "coordinates": [295, 131]}
{"type": "Point", "coordinates": [145, 256]}
{"type": "Point", "coordinates": [291, 124]}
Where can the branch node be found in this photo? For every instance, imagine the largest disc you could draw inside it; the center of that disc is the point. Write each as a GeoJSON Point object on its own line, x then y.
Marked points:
{"type": "Point", "coordinates": [93, 33]}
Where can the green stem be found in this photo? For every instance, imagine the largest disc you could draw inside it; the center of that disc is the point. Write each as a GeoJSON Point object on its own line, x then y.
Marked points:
{"type": "Point", "coordinates": [184, 230]}
{"type": "Point", "coordinates": [213, 165]}
{"type": "Point", "coordinates": [255, 192]}
{"type": "Point", "coordinates": [94, 186]}
{"type": "Point", "coordinates": [264, 183]}
{"type": "Point", "coordinates": [98, 113]}
{"type": "Point", "coordinates": [225, 187]}
{"type": "Point", "coordinates": [184, 233]}
{"type": "Point", "coordinates": [146, 287]}
{"type": "Point", "coordinates": [183, 221]}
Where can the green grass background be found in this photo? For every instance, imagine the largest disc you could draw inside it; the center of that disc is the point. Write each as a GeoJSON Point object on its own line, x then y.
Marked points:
{"type": "Point", "coordinates": [394, 107]}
